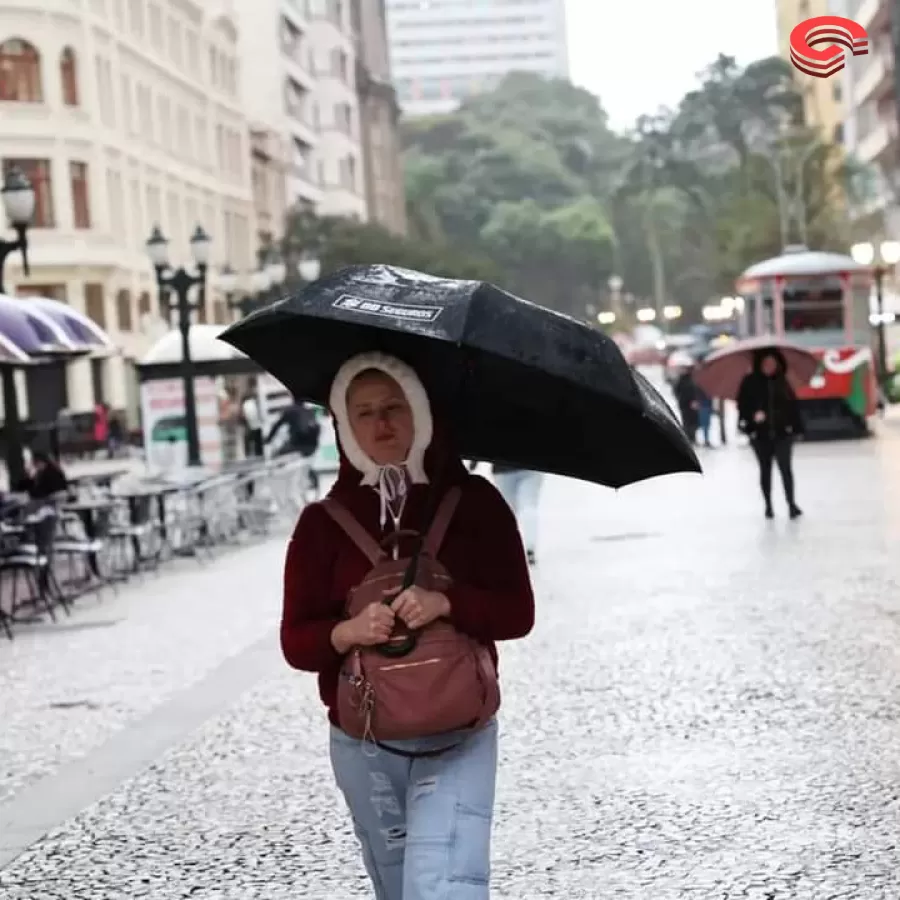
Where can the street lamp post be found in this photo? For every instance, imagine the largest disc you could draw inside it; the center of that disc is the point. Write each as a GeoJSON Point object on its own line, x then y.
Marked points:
{"type": "Point", "coordinates": [615, 284]}
{"type": "Point", "coordinates": [882, 259]}
{"type": "Point", "coordinates": [180, 282]}
{"type": "Point", "coordinates": [18, 204]}
{"type": "Point", "coordinates": [264, 283]}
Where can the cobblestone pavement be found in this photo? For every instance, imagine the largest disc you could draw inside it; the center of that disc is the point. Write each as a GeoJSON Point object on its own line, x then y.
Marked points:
{"type": "Point", "coordinates": [66, 687]}
{"type": "Point", "coordinates": [707, 709]}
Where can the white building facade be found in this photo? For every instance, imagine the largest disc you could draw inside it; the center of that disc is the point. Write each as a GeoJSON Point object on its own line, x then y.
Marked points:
{"type": "Point", "coordinates": [443, 51]}
{"type": "Point", "coordinates": [299, 79]}
{"type": "Point", "coordinates": [124, 114]}
{"type": "Point", "coordinates": [872, 125]}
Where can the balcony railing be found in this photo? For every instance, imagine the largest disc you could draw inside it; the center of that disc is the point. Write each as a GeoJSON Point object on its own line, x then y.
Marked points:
{"type": "Point", "coordinates": [875, 76]}
{"type": "Point", "coordinates": [874, 142]}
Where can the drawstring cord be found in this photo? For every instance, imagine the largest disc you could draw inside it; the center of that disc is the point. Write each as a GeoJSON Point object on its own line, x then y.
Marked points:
{"type": "Point", "coordinates": [392, 487]}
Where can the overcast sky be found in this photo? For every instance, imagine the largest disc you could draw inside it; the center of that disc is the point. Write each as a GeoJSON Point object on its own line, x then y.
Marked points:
{"type": "Point", "coordinates": [609, 39]}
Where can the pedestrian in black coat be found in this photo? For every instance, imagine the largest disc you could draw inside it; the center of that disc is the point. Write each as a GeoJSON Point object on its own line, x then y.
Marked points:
{"type": "Point", "coordinates": [768, 413]}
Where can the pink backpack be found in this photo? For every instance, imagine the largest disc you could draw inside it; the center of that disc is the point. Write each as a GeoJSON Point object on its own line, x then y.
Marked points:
{"type": "Point", "coordinates": [419, 684]}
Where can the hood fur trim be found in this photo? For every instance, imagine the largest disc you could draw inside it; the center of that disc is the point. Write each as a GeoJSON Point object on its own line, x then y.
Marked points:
{"type": "Point", "coordinates": [414, 391]}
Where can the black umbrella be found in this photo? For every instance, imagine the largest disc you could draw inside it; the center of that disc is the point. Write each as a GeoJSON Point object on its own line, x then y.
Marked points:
{"type": "Point", "coordinates": [522, 385]}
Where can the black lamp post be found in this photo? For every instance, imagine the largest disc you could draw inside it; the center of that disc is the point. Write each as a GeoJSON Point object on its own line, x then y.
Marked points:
{"type": "Point", "coordinates": [882, 259]}
{"type": "Point", "coordinates": [18, 203]}
{"type": "Point", "coordinates": [264, 283]}
{"type": "Point", "coordinates": [180, 282]}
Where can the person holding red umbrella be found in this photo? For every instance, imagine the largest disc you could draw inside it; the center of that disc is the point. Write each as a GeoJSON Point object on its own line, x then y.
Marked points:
{"type": "Point", "coordinates": [768, 413]}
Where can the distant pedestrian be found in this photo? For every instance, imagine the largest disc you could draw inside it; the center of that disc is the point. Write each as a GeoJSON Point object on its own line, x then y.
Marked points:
{"type": "Point", "coordinates": [723, 424]}
{"type": "Point", "coordinates": [116, 436]}
{"type": "Point", "coordinates": [45, 478]}
{"type": "Point", "coordinates": [101, 426]}
{"type": "Point", "coordinates": [686, 396]}
{"type": "Point", "coordinates": [251, 418]}
{"type": "Point", "coordinates": [303, 432]}
{"type": "Point", "coordinates": [704, 416]}
{"type": "Point", "coordinates": [521, 489]}
{"type": "Point", "coordinates": [769, 414]}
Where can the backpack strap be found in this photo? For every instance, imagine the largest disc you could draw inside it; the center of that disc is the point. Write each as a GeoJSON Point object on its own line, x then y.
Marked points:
{"type": "Point", "coordinates": [441, 522]}
{"type": "Point", "coordinates": [348, 522]}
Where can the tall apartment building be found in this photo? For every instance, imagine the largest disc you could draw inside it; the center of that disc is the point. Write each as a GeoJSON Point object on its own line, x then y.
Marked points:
{"type": "Point", "coordinates": [443, 51]}
{"type": "Point", "coordinates": [823, 98]}
{"type": "Point", "coordinates": [299, 81]}
{"type": "Point", "coordinates": [339, 158]}
{"type": "Point", "coordinates": [378, 115]}
{"type": "Point", "coordinates": [871, 127]}
{"type": "Point", "coordinates": [124, 114]}
{"type": "Point", "coordinates": [278, 84]}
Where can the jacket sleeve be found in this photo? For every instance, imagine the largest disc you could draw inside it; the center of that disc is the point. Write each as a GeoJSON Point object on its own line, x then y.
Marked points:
{"type": "Point", "coordinates": [744, 404]}
{"type": "Point", "coordinates": [307, 619]}
{"type": "Point", "coordinates": [495, 602]}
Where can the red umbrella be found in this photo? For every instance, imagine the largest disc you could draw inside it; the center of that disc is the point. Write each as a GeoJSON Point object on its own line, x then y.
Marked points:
{"type": "Point", "coordinates": [721, 373]}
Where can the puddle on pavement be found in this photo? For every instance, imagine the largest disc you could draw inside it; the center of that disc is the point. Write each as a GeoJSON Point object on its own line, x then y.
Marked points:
{"type": "Point", "coordinates": [70, 627]}
{"type": "Point", "coordinates": [74, 704]}
{"type": "Point", "coordinates": [628, 536]}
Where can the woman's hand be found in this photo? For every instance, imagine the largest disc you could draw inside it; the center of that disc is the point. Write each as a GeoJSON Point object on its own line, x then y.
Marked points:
{"type": "Point", "coordinates": [372, 626]}
{"type": "Point", "coordinates": [417, 607]}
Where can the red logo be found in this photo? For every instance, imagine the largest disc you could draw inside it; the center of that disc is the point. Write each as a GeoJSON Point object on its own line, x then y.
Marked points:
{"type": "Point", "coordinates": [831, 30]}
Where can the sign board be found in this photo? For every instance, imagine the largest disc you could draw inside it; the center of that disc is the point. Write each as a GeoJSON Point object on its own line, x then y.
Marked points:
{"type": "Point", "coordinates": [164, 427]}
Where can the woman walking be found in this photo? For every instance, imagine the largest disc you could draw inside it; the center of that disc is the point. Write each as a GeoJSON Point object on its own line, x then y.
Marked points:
{"type": "Point", "coordinates": [521, 489]}
{"type": "Point", "coordinates": [422, 806]}
{"type": "Point", "coordinates": [769, 414]}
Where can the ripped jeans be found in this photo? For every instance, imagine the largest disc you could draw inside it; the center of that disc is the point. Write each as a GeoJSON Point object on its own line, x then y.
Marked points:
{"type": "Point", "coordinates": [424, 824]}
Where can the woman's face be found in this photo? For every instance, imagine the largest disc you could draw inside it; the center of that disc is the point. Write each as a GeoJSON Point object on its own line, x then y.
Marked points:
{"type": "Point", "coordinates": [769, 366]}
{"type": "Point", "coordinates": [380, 417]}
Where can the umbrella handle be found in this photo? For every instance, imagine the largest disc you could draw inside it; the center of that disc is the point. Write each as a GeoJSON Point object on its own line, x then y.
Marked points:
{"type": "Point", "coordinates": [400, 644]}
{"type": "Point", "coordinates": [397, 647]}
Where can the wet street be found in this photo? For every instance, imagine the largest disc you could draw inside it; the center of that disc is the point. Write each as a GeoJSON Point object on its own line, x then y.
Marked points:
{"type": "Point", "coordinates": [708, 708]}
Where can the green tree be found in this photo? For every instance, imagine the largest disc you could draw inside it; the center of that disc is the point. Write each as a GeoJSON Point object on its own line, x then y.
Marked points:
{"type": "Point", "coordinates": [523, 174]}
{"type": "Point", "coordinates": [339, 242]}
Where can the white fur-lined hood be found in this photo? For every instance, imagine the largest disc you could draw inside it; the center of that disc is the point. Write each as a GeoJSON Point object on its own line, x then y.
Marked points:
{"type": "Point", "coordinates": [416, 396]}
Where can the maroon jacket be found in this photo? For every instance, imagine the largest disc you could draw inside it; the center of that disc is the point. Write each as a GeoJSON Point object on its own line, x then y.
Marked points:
{"type": "Point", "coordinates": [491, 597]}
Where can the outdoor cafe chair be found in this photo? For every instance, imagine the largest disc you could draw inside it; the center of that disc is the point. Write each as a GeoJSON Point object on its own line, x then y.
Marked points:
{"type": "Point", "coordinates": [33, 559]}
{"type": "Point", "coordinates": [134, 531]}
{"type": "Point", "coordinates": [84, 537]}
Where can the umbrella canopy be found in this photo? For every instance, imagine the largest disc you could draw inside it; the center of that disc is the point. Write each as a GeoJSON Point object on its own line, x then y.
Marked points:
{"type": "Point", "coordinates": [721, 373]}
{"type": "Point", "coordinates": [80, 329]}
{"type": "Point", "coordinates": [522, 385]}
{"type": "Point", "coordinates": [30, 335]}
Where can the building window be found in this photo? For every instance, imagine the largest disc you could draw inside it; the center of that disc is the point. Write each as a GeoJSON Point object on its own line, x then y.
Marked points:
{"type": "Point", "coordinates": [839, 133]}
{"type": "Point", "coordinates": [81, 204]}
{"type": "Point", "coordinates": [37, 171]}
{"type": "Point", "coordinates": [136, 15]}
{"type": "Point", "coordinates": [176, 49]}
{"type": "Point", "coordinates": [94, 305]}
{"type": "Point", "coordinates": [68, 72]}
{"type": "Point", "coordinates": [156, 27]}
{"type": "Point", "coordinates": [145, 305]}
{"type": "Point", "coordinates": [123, 311]}
{"type": "Point", "coordinates": [20, 72]}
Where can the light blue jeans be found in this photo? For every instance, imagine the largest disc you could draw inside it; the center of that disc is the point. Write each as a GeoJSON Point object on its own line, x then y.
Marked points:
{"type": "Point", "coordinates": [424, 824]}
{"type": "Point", "coordinates": [522, 490]}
